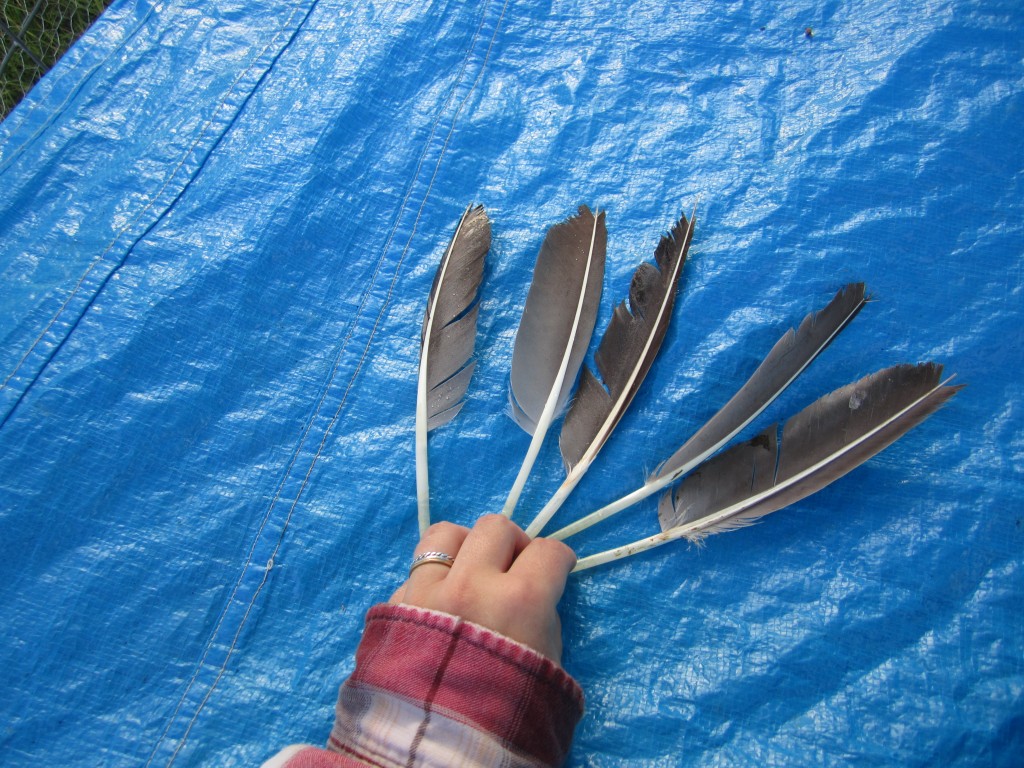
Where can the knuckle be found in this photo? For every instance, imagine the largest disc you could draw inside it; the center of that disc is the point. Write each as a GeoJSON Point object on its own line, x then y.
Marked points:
{"type": "Point", "coordinates": [440, 529]}
{"type": "Point", "coordinates": [493, 522]}
{"type": "Point", "coordinates": [556, 548]}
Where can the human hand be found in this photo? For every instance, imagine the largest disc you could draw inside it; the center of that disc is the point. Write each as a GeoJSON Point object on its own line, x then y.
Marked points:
{"type": "Point", "coordinates": [501, 579]}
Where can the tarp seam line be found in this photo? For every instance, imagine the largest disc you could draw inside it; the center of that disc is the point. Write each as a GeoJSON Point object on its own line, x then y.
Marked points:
{"type": "Point", "coordinates": [415, 224]}
{"type": "Point", "coordinates": [227, 127]}
{"type": "Point", "coordinates": [72, 92]}
{"type": "Point", "coordinates": [398, 267]}
{"type": "Point", "coordinates": [160, 217]}
{"type": "Point", "coordinates": [363, 300]}
{"type": "Point", "coordinates": [323, 395]}
{"type": "Point", "coordinates": [334, 418]}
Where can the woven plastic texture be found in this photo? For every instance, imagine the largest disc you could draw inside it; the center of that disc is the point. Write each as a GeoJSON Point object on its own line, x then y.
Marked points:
{"type": "Point", "coordinates": [218, 226]}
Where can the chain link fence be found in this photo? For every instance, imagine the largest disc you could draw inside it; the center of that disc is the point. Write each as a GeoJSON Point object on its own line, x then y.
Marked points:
{"type": "Point", "coordinates": [34, 34]}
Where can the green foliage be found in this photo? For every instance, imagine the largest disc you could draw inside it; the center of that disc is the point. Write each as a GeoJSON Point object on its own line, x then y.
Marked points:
{"type": "Point", "coordinates": [34, 34]}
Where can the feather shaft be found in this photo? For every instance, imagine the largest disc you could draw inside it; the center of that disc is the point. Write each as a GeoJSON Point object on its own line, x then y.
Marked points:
{"type": "Point", "coordinates": [447, 340]}
{"type": "Point", "coordinates": [876, 411]}
{"type": "Point", "coordinates": [625, 355]}
{"type": "Point", "coordinates": [553, 336]}
{"type": "Point", "coordinates": [786, 360]}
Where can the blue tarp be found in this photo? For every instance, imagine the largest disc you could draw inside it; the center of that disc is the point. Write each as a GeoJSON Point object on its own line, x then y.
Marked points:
{"type": "Point", "coordinates": [218, 226]}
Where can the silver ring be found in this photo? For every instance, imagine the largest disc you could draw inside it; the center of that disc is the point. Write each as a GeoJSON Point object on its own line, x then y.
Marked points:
{"type": "Point", "coordinates": [431, 557]}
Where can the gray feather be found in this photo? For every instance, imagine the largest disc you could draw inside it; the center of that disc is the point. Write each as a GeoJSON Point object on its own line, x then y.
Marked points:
{"type": "Point", "coordinates": [627, 349]}
{"type": "Point", "coordinates": [551, 303]}
{"type": "Point", "coordinates": [819, 445]}
{"type": "Point", "coordinates": [451, 315]}
{"type": "Point", "coordinates": [790, 355]}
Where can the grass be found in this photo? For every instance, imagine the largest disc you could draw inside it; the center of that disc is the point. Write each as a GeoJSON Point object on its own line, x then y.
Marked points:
{"type": "Point", "coordinates": [34, 34]}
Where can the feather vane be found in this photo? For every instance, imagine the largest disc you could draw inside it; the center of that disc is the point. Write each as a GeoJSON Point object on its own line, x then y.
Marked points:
{"type": "Point", "coordinates": [786, 360]}
{"type": "Point", "coordinates": [625, 355]}
{"type": "Point", "coordinates": [447, 339]}
{"type": "Point", "coordinates": [555, 331]}
{"type": "Point", "coordinates": [820, 444]}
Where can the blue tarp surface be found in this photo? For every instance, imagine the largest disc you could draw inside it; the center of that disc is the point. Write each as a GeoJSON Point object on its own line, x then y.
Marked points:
{"type": "Point", "coordinates": [218, 226]}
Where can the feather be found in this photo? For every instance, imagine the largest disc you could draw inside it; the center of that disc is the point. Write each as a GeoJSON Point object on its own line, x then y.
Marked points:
{"type": "Point", "coordinates": [624, 356]}
{"type": "Point", "coordinates": [553, 336]}
{"type": "Point", "coordinates": [819, 445]}
{"type": "Point", "coordinates": [447, 339]}
{"type": "Point", "coordinates": [787, 359]}
{"type": "Point", "coordinates": [723, 480]}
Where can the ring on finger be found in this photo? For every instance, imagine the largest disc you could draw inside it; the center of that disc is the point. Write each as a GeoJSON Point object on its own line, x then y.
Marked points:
{"type": "Point", "coordinates": [442, 558]}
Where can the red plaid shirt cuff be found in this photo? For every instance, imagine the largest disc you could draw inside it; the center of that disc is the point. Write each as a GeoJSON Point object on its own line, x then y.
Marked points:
{"type": "Point", "coordinates": [432, 689]}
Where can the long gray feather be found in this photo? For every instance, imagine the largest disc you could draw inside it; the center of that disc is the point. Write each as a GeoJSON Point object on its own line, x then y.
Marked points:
{"type": "Point", "coordinates": [548, 318]}
{"type": "Point", "coordinates": [555, 331]}
{"type": "Point", "coordinates": [790, 355]}
{"type": "Point", "coordinates": [819, 445]}
{"type": "Point", "coordinates": [447, 339]}
{"type": "Point", "coordinates": [627, 349]}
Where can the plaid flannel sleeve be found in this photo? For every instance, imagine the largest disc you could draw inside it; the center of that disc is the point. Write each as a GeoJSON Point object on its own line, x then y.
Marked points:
{"type": "Point", "coordinates": [431, 689]}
